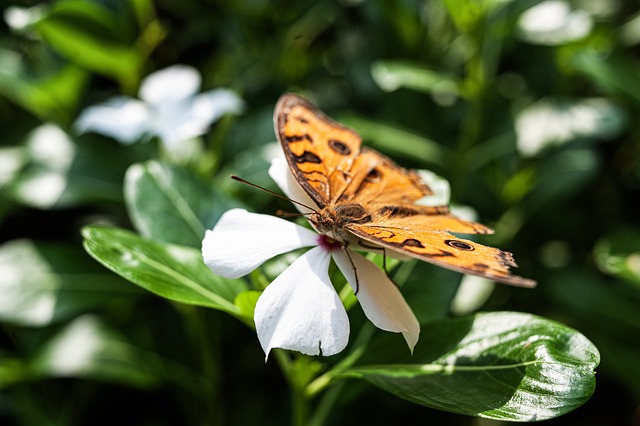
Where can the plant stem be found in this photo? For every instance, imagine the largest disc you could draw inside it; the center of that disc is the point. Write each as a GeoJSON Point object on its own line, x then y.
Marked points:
{"type": "Point", "coordinates": [297, 386]}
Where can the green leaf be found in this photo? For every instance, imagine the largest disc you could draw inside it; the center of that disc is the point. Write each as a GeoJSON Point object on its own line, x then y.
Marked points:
{"type": "Point", "coordinates": [52, 94]}
{"type": "Point", "coordinates": [44, 283]}
{"type": "Point", "coordinates": [505, 366]}
{"type": "Point", "coordinates": [618, 254]}
{"type": "Point", "coordinates": [174, 272]}
{"type": "Point", "coordinates": [64, 171]}
{"type": "Point", "coordinates": [397, 142]}
{"type": "Point", "coordinates": [614, 74]}
{"type": "Point", "coordinates": [392, 75]}
{"type": "Point", "coordinates": [92, 36]}
{"type": "Point", "coordinates": [87, 348]}
{"type": "Point", "coordinates": [170, 204]}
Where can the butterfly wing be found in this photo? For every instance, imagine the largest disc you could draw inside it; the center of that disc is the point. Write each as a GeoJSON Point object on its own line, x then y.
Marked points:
{"type": "Point", "coordinates": [326, 159]}
{"type": "Point", "coordinates": [320, 152]}
{"type": "Point", "coordinates": [426, 239]}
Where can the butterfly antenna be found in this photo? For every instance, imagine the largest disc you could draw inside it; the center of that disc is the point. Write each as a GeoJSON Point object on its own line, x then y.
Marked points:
{"type": "Point", "coordinates": [239, 179]}
{"type": "Point", "coordinates": [283, 213]}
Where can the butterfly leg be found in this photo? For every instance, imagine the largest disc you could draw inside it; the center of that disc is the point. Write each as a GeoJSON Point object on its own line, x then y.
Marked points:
{"type": "Point", "coordinates": [384, 254]}
{"type": "Point", "coordinates": [353, 265]}
{"type": "Point", "coordinates": [384, 258]}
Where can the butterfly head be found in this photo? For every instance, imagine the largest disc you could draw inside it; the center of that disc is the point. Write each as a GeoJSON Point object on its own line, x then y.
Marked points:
{"type": "Point", "coordinates": [333, 218]}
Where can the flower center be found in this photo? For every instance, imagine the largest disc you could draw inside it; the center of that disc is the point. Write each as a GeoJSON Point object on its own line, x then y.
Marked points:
{"type": "Point", "coordinates": [328, 243]}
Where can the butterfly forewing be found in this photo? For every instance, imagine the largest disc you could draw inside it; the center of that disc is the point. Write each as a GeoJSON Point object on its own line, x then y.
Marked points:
{"type": "Point", "coordinates": [320, 152]}
{"type": "Point", "coordinates": [375, 178]}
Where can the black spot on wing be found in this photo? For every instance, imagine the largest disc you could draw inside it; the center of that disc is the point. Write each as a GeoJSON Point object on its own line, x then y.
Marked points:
{"type": "Point", "coordinates": [298, 138]}
{"type": "Point", "coordinates": [397, 211]}
{"type": "Point", "coordinates": [412, 242]}
{"type": "Point", "coordinates": [339, 147]}
{"type": "Point", "coordinates": [373, 176]}
{"type": "Point", "coordinates": [460, 245]}
{"type": "Point", "coordinates": [308, 157]}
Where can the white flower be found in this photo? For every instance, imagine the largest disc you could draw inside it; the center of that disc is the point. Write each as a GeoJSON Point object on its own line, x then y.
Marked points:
{"type": "Point", "coordinates": [169, 108]}
{"type": "Point", "coordinates": [300, 310]}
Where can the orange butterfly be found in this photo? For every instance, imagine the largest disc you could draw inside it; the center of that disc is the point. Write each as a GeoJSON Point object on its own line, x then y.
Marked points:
{"type": "Point", "coordinates": [365, 198]}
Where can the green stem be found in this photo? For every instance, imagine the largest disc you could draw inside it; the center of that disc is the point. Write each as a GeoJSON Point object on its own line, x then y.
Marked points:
{"type": "Point", "coordinates": [480, 71]}
{"type": "Point", "coordinates": [297, 386]}
{"type": "Point", "coordinates": [206, 339]}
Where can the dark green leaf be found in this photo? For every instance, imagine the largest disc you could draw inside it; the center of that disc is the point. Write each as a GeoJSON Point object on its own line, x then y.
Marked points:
{"type": "Point", "coordinates": [397, 142]}
{"type": "Point", "coordinates": [167, 203]}
{"type": "Point", "coordinates": [46, 282]}
{"type": "Point", "coordinates": [91, 35]}
{"type": "Point", "coordinates": [507, 366]}
{"type": "Point", "coordinates": [618, 254]}
{"type": "Point", "coordinates": [174, 272]}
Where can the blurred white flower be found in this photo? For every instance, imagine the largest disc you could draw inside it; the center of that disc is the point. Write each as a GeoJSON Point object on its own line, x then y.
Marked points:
{"type": "Point", "coordinates": [555, 121]}
{"type": "Point", "coordinates": [168, 108]}
{"type": "Point", "coordinates": [300, 310]}
{"type": "Point", "coordinates": [553, 22]}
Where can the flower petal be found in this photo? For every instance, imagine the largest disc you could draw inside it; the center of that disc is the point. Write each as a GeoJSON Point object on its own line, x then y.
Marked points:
{"type": "Point", "coordinates": [379, 297]}
{"type": "Point", "coordinates": [182, 121]}
{"type": "Point", "coordinates": [120, 117]}
{"type": "Point", "coordinates": [242, 241]}
{"type": "Point", "coordinates": [170, 85]}
{"type": "Point", "coordinates": [281, 174]}
{"type": "Point", "coordinates": [211, 105]}
{"type": "Point", "coordinates": [301, 311]}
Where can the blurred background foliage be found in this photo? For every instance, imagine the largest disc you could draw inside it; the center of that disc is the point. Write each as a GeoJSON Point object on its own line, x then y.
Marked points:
{"type": "Point", "coordinates": [528, 108]}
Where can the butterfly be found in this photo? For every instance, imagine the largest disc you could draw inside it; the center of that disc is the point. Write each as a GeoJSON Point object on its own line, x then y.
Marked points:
{"type": "Point", "coordinates": [365, 199]}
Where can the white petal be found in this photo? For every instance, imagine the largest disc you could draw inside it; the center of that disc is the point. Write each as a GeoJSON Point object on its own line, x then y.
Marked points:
{"type": "Point", "coordinates": [301, 311]}
{"type": "Point", "coordinates": [379, 297]}
{"type": "Point", "coordinates": [170, 85]}
{"type": "Point", "coordinates": [212, 105]}
{"type": "Point", "coordinates": [439, 186]}
{"type": "Point", "coordinates": [281, 174]}
{"type": "Point", "coordinates": [122, 118]}
{"type": "Point", "coordinates": [242, 241]}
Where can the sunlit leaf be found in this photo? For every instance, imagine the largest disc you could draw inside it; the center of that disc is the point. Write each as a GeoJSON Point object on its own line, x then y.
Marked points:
{"type": "Point", "coordinates": [174, 272]}
{"type": "Point", "coordinates": [170, 204]}
{"type": "Point", "coordinates": [506, 366]}
{"type": "Point", "coordinates": [45, 282]}
{"type": "Point", "coordinates": [608, 311]}
{"type": "Point", "coordinates": [392, 75]}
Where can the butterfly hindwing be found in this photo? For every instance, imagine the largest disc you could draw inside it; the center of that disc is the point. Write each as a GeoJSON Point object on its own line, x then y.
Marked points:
{"type": "Point", "coordinates": [444, 249]}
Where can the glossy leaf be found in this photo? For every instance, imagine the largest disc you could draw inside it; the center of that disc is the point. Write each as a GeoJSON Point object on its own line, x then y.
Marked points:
{"type": "Point", "coordinates": [44, 283]}
{"type": "Point", "coordinates": [174, 272]}
{"type": "Point", "coordinates": [168, 203]}
{"type": "Point", "coordinates": [506, 366]}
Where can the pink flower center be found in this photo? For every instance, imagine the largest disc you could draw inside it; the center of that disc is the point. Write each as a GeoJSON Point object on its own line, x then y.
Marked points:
{"type": "Point", "coordinates": [328, 243]}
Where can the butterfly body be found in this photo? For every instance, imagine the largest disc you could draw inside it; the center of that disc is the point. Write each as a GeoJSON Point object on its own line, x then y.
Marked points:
{"type": "Point", "coordinates": [363, 196]}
